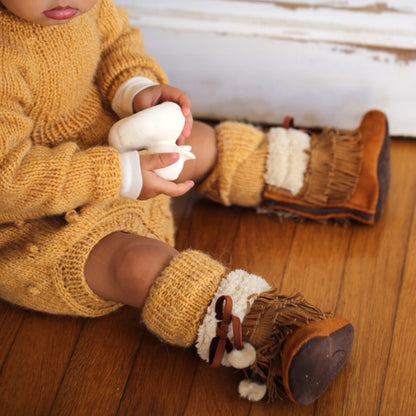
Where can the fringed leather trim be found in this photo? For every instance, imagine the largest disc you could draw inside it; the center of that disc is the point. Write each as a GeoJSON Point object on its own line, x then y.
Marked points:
{"type": "Point", "coordinates": [269, 323]}
{"type": "Point", "coordinates": [334, 169]}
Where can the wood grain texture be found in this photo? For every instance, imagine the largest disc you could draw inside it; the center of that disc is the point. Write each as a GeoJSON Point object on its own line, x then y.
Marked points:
{"type": "Point", "coordinates": [113, 366]}
{"type": "Point", "coordinates": [399, 393]}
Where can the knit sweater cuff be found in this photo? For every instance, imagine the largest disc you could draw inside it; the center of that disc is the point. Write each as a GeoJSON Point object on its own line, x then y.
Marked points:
{"type": "Point", "coordinates": [103, 174]}
{"type": "Point", "coordinates": [131, 175]}
{"type": "Point", "coordinates": [122, 103]}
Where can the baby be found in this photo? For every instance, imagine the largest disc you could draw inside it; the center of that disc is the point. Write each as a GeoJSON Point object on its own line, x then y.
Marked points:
{"type": "Point", "coordinates": [86, 225]}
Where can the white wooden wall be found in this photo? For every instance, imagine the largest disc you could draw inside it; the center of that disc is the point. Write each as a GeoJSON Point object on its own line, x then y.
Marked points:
{"type": "Point", "coordinates": [324, 62]}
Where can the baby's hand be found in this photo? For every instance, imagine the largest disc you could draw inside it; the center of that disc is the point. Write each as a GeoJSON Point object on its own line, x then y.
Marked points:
{"type": "Point", "coordinates": [154, 185]}
{"type": "Point", "coordinates": [158, 94]}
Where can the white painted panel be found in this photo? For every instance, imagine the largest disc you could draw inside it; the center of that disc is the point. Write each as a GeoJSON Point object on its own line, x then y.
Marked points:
{"type": "Point", "coordinates": [261, 61]}
{"type": "Point", "coordinates": [319, 85]}
{"type": "Point", "coordinates": [384, 29]}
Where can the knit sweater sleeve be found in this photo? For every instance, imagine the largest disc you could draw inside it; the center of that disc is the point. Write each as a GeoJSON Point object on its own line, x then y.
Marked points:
{"type": "Point", "coordinates": [38, 180]}
{"type": "Point", "coordinates": [123, 54]}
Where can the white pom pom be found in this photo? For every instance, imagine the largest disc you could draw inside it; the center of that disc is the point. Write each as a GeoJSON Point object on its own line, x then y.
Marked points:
{"type": "Point", "coordinates": [242, 358]}
{"type": "Point", "coordinates": [251, 390]}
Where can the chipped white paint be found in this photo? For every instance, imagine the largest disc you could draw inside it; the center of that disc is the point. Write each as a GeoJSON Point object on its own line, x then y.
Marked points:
{"type": "Point", "coordinates": [399, 5]}
{"type": "Point", "coordinates": [323, 62]}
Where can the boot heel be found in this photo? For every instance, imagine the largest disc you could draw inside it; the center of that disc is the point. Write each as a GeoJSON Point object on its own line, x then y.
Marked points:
{"type": "Point", "coordinates": [313, 357]}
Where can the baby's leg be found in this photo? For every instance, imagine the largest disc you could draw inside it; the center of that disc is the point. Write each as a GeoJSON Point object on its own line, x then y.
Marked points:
{"type": "Point", "coordinates": [331, 174]}
{"type": "Point", "coordinates": [204, 146]}
{"type": "Point", "coordinates": [122, 267]}
{"type": "Point", "coordinates": [289, 347]}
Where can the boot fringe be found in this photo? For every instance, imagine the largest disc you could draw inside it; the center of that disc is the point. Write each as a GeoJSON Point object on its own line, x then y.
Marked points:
{"type": "Point", "coordinates": [268, 324]}
{"type": "Point", "coordinates": [335, 166]}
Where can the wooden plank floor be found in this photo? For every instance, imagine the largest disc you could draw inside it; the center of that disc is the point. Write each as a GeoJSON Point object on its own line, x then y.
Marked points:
{"type": "Point", "coordinates": [113, 366]}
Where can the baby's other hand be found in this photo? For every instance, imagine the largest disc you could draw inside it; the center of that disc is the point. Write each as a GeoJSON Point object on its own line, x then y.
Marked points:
{"type": "Point", "coordinates": [158, 94]}
{"type": "Point", "coordinates": [154, 185]}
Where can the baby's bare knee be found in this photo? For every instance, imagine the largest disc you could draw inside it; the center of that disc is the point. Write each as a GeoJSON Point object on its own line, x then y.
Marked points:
{"type": "Point", "coordinates": [122, 267]}
{"type": "Point", "coordinates": [144, 259]}
{"type": "Point", "coordinates": [137, 267]}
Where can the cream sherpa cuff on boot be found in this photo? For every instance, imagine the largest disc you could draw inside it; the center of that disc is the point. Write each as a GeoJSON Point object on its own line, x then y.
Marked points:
{"type": "Point", "coordinates": [287, 160]}
{"type": "Point", "coordinates": [243, 287]}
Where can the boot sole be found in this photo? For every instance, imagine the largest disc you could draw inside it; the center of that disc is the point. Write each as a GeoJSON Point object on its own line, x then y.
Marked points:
{"type": "Point", "coordinates": [313, 357]}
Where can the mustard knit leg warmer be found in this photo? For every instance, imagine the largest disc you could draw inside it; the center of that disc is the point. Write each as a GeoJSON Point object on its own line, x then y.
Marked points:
{"type": "Point", "coordinates": [178, 300]}
{"type": "Point", "coordinates": [238, 177]}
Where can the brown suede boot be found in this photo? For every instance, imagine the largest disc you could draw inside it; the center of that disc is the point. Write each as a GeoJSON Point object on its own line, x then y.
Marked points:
{"type": "Point", "coordinates": [331, 175]}
{"type": "Point", "coordinates": [348, 175]}
{"type": "Point", "coordinates": [285, 346]}
{"type": "Point", "coordinates": [300, 349]}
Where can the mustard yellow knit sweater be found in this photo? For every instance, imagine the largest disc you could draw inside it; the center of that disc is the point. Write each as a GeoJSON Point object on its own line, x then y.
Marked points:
{"type": "Point", "coordinates": [59, 181]}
